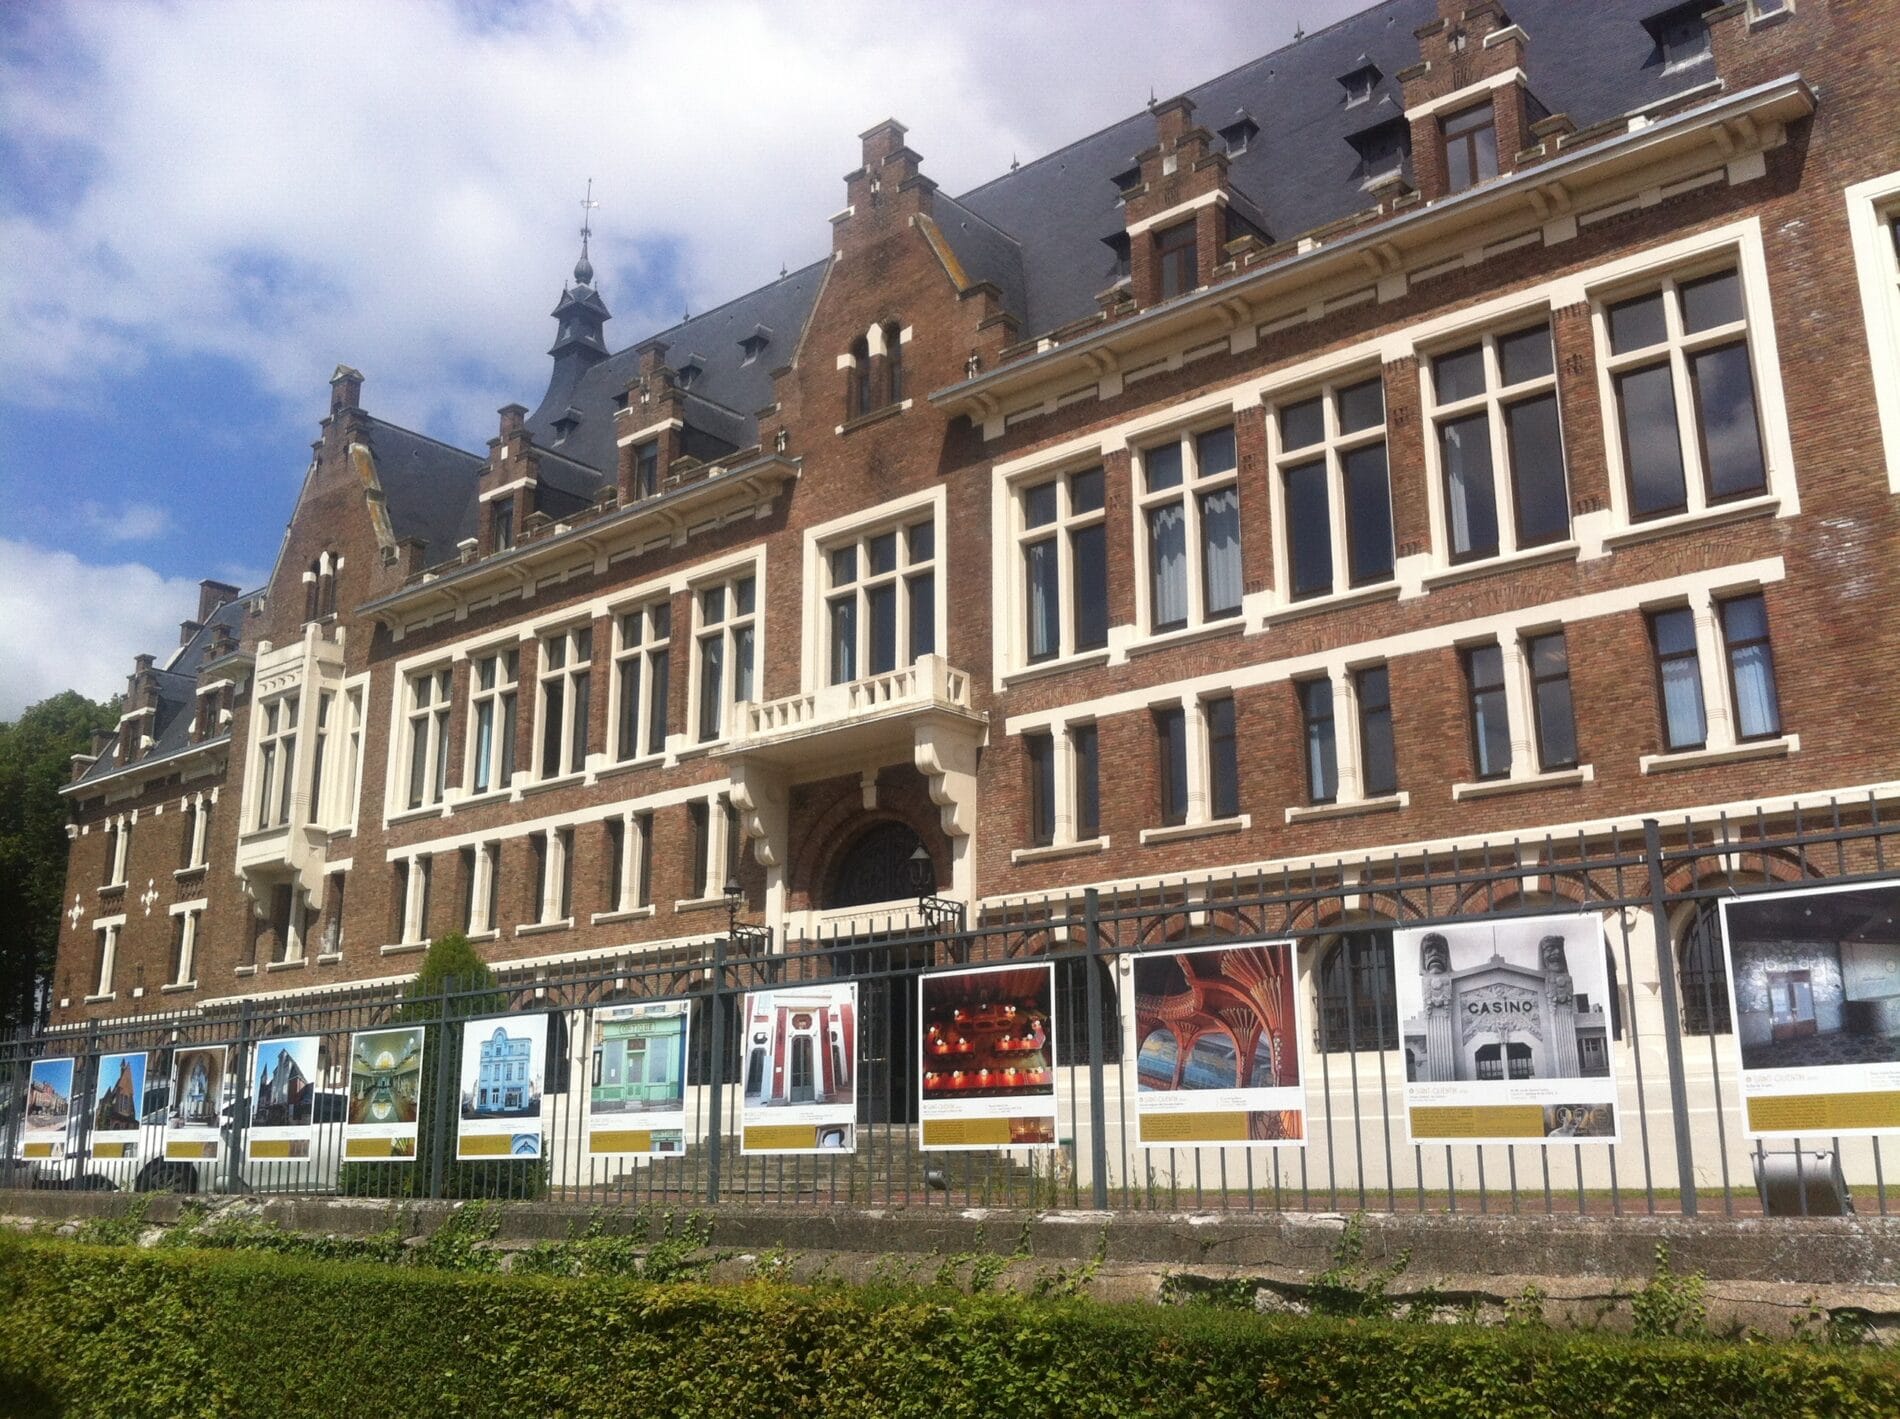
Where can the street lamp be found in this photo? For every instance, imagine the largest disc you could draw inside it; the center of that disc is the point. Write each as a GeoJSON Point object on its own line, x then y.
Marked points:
{"type": "Point", "coordinates": [917, 871]}
{"type": "Point", "coordinates": [735, 898]}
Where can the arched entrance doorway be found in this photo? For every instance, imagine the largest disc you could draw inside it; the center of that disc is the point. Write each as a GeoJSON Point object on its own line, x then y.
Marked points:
{"type": "Point", "coordinates": [886, 862]}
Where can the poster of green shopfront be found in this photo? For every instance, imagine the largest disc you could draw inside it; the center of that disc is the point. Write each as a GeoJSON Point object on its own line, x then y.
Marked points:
{"type": "Point", "coordinates": [636, 1091]}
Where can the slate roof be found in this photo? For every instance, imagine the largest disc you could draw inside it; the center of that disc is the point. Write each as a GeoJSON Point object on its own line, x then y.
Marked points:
{"type": "Point", "coordinates": [177, 685]}
{"type": "Point", "coordinates": [429, 487]}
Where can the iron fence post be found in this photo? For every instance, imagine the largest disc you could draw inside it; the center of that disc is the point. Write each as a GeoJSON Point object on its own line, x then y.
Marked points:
{"type": "Point", "coordinates": [442, 1131]}
{"type": "Point", "coordinates": [1098, 1104]}
{"type": "Point", "coordinates": [240, 1101]}
{"type": "Point", "coordinates": [716, 1069]}
{"type": "Point", "coordinates": [1672, 1014]}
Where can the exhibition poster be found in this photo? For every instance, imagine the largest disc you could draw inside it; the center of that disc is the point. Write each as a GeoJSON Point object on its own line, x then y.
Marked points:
{"type": "Point", "coordinates": [119, 1109]}
{"type": "Point", "coordinates": [283, 1099]}
{"type": "Point", "coordinates": [504, 1069]}
{"type": "Point", "coordinates": [636, 1092]}
{"type": "Point", "coordinates": [799, 1051]}
{"type": "Point", "coordinates": [194, 1116]}
{"type": "Point", "coordinates": [987, 1075]}
{"type": "Point", "coordinates": [384, 1095]}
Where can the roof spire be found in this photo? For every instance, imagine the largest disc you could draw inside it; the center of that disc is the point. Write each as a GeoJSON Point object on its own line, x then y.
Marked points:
{"type": "Point", "coordinates": [584, 269]}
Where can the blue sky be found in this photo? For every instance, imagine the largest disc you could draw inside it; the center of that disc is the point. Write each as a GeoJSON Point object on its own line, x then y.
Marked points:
{"type": "Point", "coordinates": [204, 207]}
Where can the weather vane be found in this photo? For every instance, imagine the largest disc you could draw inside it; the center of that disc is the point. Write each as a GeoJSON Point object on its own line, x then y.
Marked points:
{"type": "Point", "coordinates": [588, 204]}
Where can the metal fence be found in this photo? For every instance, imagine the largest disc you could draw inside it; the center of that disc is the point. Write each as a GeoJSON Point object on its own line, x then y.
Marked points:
{"type": "Point", "coordinates": [1681, 1150]}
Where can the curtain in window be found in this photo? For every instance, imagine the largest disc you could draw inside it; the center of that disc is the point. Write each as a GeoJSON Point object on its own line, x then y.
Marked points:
{"type": "Point", "coordinates": [1044, 632]}
{"type": "Point", "coordinates": [1167, 564]}
{"type": "Point", "coordinates": [1220, 550]}
{"type": "Point", "coordinates": [1757, 711]}
{"type": "Point", "coordinates": [1471, 504]}
{"type": "Point", "coordinates": [1682, 702]}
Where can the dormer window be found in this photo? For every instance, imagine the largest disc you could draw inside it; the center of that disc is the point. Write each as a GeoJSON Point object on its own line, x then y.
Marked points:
{"type": "Point", "coordinates": [751, 348]}
{"type": "Point", "coordinates": [1381, 148]}
{"type": "Point", "coordinates": [1176, 261]}
{"type": "Point", "coordinates": [504, 525]}
{"type": "Point", "coordinates": [1359, 84]}
{"type": "Point", "coordinates": [1118, 243]}
{"type": "Point", "coordinates": [1239, 135]}
{"type": "Point", "coordinates": [646, 469]}
{"type": "Point", "coordinates": [689, 374]}
{"type": "Point", "coordinates": [1682, 39]}
{"type": "Point", "coordinates": [1471, 147]}
{"type": "Point", "coordinates": [1127, 180]}
{"type": "Point", "coordinates": [564, 426]}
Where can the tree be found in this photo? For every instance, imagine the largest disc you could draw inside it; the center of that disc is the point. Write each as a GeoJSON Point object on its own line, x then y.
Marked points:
{"type": "Point", "coordinates": [35, 762]}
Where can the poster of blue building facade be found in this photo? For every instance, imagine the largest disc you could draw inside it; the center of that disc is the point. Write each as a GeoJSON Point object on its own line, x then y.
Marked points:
{"type": "Point", "coordinates": [504, 1069]}
{"type": "Point", "coordinates": [384, 1095]}
{"type": "Point", "coordinates": [119, 1107]}
{"type": "Point", "coordinates": [636, 1090]}
{"type": "Point", "coordinates": [196, 1108]}
{"type": "Point", "coordinates": [47, 1134]}
{"type": "Point", "coordinates": [283, 1099]}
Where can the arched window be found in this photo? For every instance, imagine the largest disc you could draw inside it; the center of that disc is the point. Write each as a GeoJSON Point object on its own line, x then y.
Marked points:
{"type": "Point", "coordinates": [862, 398]}
{"type": "Point", "coordinates": [894, 361]}
{"type": "Point", "coordinates": [1704, 974]}
{"type": "Point", "coordinates": [876, 868]}
{"type": "Point", "coordinates": [1358, 1008]}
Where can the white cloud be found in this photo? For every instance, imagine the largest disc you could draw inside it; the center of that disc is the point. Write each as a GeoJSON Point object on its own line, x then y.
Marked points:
{"type": "Point", "coordinates": [131, 522]}
{"type": "Point", "coordinates": [68, 625]}
{"type": "Point", "coordinates": [295, 184]}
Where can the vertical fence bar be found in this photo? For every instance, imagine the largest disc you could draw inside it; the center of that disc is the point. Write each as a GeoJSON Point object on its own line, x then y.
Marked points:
{"type": "Point", "coordinates": [1098, 1104]}
{"type": "Point", "coordinates": [240, 1100]}
{"type": "Point", "coordinates": [716, 1069]}
{"type": "Point", "coordinates": [1672, 1015]}
{"type": "Point", "coordinates": [442, 1125]}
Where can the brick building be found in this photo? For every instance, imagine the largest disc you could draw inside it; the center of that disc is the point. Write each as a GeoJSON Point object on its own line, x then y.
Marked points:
{"type": "Point", "coordinates": [1453, 427]}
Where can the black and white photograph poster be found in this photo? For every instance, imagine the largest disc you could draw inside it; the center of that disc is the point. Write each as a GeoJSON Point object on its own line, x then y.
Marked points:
{"type": "Point", "coordinates": [1506, 1026]}
{"type": "Point", "coordinates": [1814, 994]}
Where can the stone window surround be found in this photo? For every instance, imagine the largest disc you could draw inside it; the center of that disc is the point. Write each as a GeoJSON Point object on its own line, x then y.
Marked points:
{"type": "Point", "coordinates": [818, 540]}
{"type": "Point", "coordinates": [1871, 206]}
{"type": "Point", "coordinates": [1063, 841]}
{"type": "Point", "coordinates": [1720, 744]}
{"type": "Point", "coordinates": [1200, 820]}
{"type": "Point", "coordinates": [1341, 670]}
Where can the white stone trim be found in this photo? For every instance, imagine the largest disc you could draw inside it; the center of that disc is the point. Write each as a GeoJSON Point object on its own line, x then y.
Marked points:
{"type": "Point", "coordinates": [1465, 97]}
{"type": "Point", "coordinates": [506, 490]}
{"type": "Point", "coordinates": [1875, 267]}
{"type": "Point", "coordinates": [1168, 217]}
{"type": "Point", "coordinates": [649, 431]}
{"type": "Point", "coordinates": [592, 813]}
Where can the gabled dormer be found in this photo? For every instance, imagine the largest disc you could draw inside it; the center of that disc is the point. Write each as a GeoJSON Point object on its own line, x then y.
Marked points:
{"type": "Point", "coordinates": [1468, 99]}
{"type": "Point", "coordinates": [509, 484]}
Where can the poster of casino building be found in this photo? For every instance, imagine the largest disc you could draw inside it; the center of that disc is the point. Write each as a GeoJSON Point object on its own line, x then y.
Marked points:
{"type": "Point", "coordinates": [118, 1107]}
{"type": "Point", "coordinates": [196, 1110]}
{"type": "Point", "coordinates": [987, 1077]}
{"type": "Point", "coordinates": [799, 1050]}
{"type": "Point", "coordinates": [47, 1133]}
{"type": "Point", "coordinates": [1814, 994]}
{"type": "Point", "coordinates": [384, 1095]}
{"type": "Point", "coordinates": [1506, 1029]}
{"type": "Point", "coordinates": [504, 1067]}
{"type": "Point", "coordinates": [636, 1090]}
{"type": "Point", "coordinates": [283, 1099]}
{"type": "Point", "coordinates": [1217, 1047]}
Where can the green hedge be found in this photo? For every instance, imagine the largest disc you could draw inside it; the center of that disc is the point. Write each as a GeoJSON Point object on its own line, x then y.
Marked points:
{"type": "Point", "coordinates": [116, 1331]}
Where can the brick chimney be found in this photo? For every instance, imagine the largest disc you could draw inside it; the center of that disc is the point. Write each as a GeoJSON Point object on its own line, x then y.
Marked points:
{"type": "Point", "coordinates": [652, 423]}
{"type": "Point", "coordinates": [212, 595]}
{"type": "Point", "coordinates": [346, 389]}
{"type": "Point", "coordinates": [511, 460]}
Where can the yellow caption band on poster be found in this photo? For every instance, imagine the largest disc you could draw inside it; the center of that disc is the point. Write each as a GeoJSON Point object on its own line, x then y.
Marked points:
{"type": "Point", "coordinates": [115, 1150]}
{"type": "Point", "coordinates": [780, 1135]}
{"type": "Point", "coordinates": [370, 1148]}
{"type": "Point", "coordinates": [1225, 1126]}
{"type": "Point", "coordinates": [488, 1145]}
{"type": "Point", "coordinates": [276, 1148]}
{"type": "Point", "coordinates": [1478, 1121]}
{"type": "Point", "coordinates": [1823, 1113]}
{"type": "Point", "coordinates": [624, 1140]}
{"type": "Point", "coordinates": [967, 1132]}
{"type": "Point", "coordinates": [185, 1152]}
{"type": "Point", "coordinates": [38, 1150]}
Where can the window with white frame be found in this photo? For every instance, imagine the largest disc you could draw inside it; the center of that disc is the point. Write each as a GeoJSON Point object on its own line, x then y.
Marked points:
{"type": "Point", "coordinates": [1198, 763]}
{"type": "Point", "coordinates": [629, 860]}
{"type": "Point", "coordinates": [184, 962]}
{"type": "Point", "coordinates": [1488, 713]}
{"type": "Point", "coordinates": [1346, 761]}
{"type": "Point", "coordinates": [1873, 219]}
{"type": "Point", "coordinates": [1189, 530]}
{"type": "Point", "coordinates": [411, 898]}
{"type": "Point", "coordinates": [1064, 565]}
{"type": "Point", "coordinates": [426, 736]}
{"type": "Point", "coordinates": [1334, 498]}
{"type": "Point", "coordinates": [197, 833]}
{"type": "Point", "coordinates": [350, 781]}
{"type": "Point", "coordinates": [1715, 672]}
{"type": "Point", "coordinates": [725, 616]}
{"type": "Point", "coordinates": [554, 862]}
{"type": "Point", "coordinates": [1751, 666]}
{"type": "Point", "coordinates": [1553, 715]}
{"type": "Point", "coordinates": [643, 647]}
{"type": "Point", "coordinates": [320, 743]}
{"type": "Point", "coordinates": [880, 599]}
{"type": "Point", "coordinates": [493, 692]}
{"type": "Point", "coordinates": [566, 678]}
{"type": "Point", "coordinates": [118, 851]}
{"type": "Point", "coordinates": [276, 775]}
{"type": "Point", "coordinates": [1065, 794]}
{"type": "Point", "coordinates": [1680, 372]}
{"type": "Point", "coordinates": [481, 887]}
{"type": "Point", "coordinates": [106, 942]}
{"type": "Point", "coordinates": [1321, 739]}
{"type": "Point", "coordinates": [1499, 445]}
{"type": "Point", "coordinates": [1519, 718]}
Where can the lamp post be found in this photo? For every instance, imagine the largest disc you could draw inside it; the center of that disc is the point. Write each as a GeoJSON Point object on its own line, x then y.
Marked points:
{"type": "Point", "coordinates": [735, 898]}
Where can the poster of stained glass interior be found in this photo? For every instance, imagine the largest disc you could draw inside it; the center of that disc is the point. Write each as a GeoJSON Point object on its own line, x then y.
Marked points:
{"type": "Point", "coordinates": [987, 1076]}
{"type": "Point", "coordinates": [1217, 1047]}
{"type": "Point", "coordinates": [384, 1095]}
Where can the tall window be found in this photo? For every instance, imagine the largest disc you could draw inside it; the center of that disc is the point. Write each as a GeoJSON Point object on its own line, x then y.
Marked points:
{"type": "Point", "coordinates": [319, 754]}
{"type": "Point", "coordinates": [1172, 763]}
{"type": "Point", "coordinates": [1086, 755]}
{"type": "Point", "coordinates": [504, 516]}
{"type": "Point", "coordinates": [566, 678]}
{"type": "Point", "coordinates": [1190, 508]}
{"type": "Point", "coordinates": [1177, 263]}
{"type": "Point", "coordinates": [727, 614]}
{"type": "Point", "coordinates": [1471, 146]}
{"type": "Point", "coordinates": [642, 655]}
{"type": "Point", "coordinates": [881, 608]}
{"type": "Point", "coordinates": [1378, 755]}
{"type": "Point", "coordinates": [1552, 713]}
{"type": "Point", "coordinates": [482, 885]}
{"type": "Point", "coordinates": [184, 946]}
{"type": "Point", "coordinates": [277, 761]}
{"type": "Point", "coordinates": [554, 875]}
{"type": "Point", "coordinates": [894, 361]}
{"type": "Point", "coordinates": [197, 832]}
{"type": "Point", "coordinates": [118, 840]}
{"type": "Point", "coordinates": [1685, 396]}
{"type": "Point", "coordinates": [1223, 758]}
{"type": "Point", "coordinates": [1751, 667]}
{"type": "Point", "coordinates": [1678, 678]}
{"type": "Point", "coordinates": [1063, 769]}
{"type": "Point", "coordinates": [1322, 750]}
{"type": "Point", "coordinates": [1040, 751]}
{"type": "Point", "coordinates": [353, 701]}
{"type": "Point", "coordinates": [1065, 566]}
{"type": "Point", "coordinates": [427, 727]}
{"type": "Point", "coordinates": [629, 861]}
{"type": "Point", "coordinates": [699, 815]}
{"type": "Point", "coordinates": [107, 942]}
{"type": "Point", "coordinates": [411, 898]}
{"type": "Point", "coordinates": [1336, 504]}
{"type": "Point", "coordinates": [1495, 412]}
{"type": "Point", "coordinates": [646, 469]}
{"type": "Point", "coordinates": [863, 397]}
{"type": "Point", "coordinates": [494, 688]}
{"type": "Point", "coordinates": [1488, 711]}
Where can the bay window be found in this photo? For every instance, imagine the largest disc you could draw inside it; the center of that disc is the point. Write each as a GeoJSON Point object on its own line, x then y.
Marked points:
{"type": "Point", "coordinates": [276, 761]}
